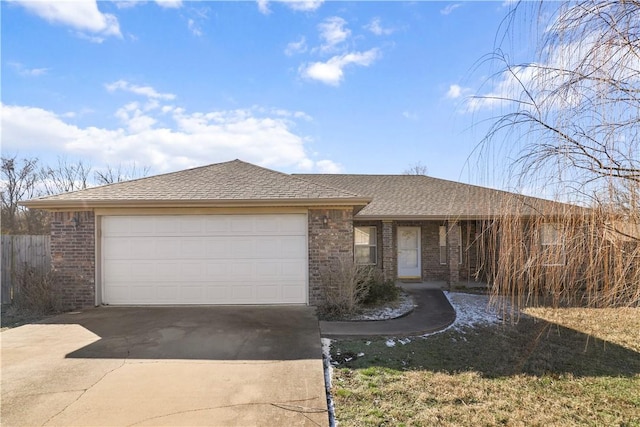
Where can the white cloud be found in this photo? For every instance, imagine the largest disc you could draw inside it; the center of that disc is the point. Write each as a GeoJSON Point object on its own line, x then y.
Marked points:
{"type": "Point", "coordinates": [297, 5]}
{"type": "Point", "coordinates": [455, 91]}
{"type": "Point", "coordinates": [27, 72]}
{"type": "Point", "coordinates": [194, 28]}
{"type": "Point", "coordinates": [166, 138]}
{"type": "Point", "coordinates": [169, 4]}
{"type": "Point", "coordinates": [328, 166]}
{"type": "Point", "coordinates": [410, 115]}
{"type": "Point", "coordinates": [147, 91]}
{"type": "Point", "coordinates": [508, 86]}
{"type": "Point", "coordinates": [331, 72]}
{"type": "Point", "coordinates": [333, 31]}
{"type": "Point", "coordinates": [303, 5]}
{"type": "Point", "coordinates": [296, 47]}
{"type": "Point", "coordinates": [376, 28]}
{"type": "Point", "coordinates": [127, 4]}
{"type": "Point", "coordinates": [83, 16]}
{"type": "Point", "coordinates": [450, 8]}
{"type": "Point", "coordinates": [263, 7]}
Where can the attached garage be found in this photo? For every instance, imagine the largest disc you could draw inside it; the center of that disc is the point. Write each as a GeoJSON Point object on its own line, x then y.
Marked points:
{"type": "Point", "coordinates": [226, 233]}
{"type": "Point", "coordinates": [204, 259]}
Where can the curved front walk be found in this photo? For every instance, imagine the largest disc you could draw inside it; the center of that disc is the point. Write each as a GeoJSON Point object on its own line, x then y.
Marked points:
{"type": "Point", "coordinates": [431, 314]}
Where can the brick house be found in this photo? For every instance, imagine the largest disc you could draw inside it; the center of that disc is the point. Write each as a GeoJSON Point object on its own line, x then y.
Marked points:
{"type": "Point", "coordinates": [236, 233]}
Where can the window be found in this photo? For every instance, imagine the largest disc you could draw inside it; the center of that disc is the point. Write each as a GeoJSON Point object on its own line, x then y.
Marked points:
{"type": "Point", "coordinates": [552, 243]}
{"type": "Point", "coordinates": [458, 231]}
{"type": "Point", "coordinates": [365, 245]}
{"type": "Point", "coordinates": [443, 244]}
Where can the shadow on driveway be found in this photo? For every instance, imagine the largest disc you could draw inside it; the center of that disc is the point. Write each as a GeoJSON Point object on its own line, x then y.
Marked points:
{"type": "Point", "coordinates": [200, 332]}
{"type": "Point", "coordinates": [166, 366]}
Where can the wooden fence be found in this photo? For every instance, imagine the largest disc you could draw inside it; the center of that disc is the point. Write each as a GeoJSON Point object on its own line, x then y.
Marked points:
{"type": "Point", "coordinates": [17, 250]}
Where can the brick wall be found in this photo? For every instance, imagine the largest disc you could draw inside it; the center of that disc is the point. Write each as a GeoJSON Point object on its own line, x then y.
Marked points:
{"type": "Point", "coordinates": [327, 242]}
{"type": "Point", "coordinates": [432, 269]}
{"type": "Point", "coordinates": [453, 252]}
{"type": "Point", "coordinates": [73, 257]}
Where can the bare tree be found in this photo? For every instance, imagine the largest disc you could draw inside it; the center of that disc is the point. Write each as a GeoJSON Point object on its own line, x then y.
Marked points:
{"type": "Point", "coordinates": [19, 182]}
{"type": "Point", "coordinates": [65, 176]}
{"type": "Point", "coordinates": [572, 120]}
{"type": "Point", "coordinates": [110, 175]}
{"type": "Point", "coordinates": [416, 169]}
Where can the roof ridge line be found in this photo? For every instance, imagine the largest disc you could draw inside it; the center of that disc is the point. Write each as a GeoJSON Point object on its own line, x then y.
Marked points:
{"type": "Point", "coordinates": [294, 176]}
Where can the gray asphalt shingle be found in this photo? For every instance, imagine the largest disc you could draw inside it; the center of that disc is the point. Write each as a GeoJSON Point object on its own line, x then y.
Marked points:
{"type": "Point", "coordinates": [234, 180]}
{"type": "Point", "coordinates": [385, 196]}
{"type": "Point", "coordinates": [396, 196]}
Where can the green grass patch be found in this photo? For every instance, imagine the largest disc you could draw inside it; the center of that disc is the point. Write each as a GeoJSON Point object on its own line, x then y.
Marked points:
{"type": "Point", "coordinates": [532, 373]}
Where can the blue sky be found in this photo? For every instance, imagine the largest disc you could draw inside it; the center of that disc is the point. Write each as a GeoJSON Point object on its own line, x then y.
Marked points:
{"type": "Point", "coordinates": [352, 87]}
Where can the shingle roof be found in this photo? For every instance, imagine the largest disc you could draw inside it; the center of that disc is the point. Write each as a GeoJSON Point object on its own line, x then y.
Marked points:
{"type": "Point", "coordinates": [238, 183]}
{"type": "Point", "coordinates": [221, 182]}
{"type": "Point", "coordinates": [419, 196]}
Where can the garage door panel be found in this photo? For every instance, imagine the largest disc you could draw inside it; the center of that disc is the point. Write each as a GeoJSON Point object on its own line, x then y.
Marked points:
{"type": "Point", "coordinates": [294, 247]}
{"type": "Point", "coordinates": [241, 293]}
{"type": "Point", "coordinates": [205, 259]}
{"type": "Point", "coordinates": [270, 225]}
{"type": "Point", "coordinates": [192, 248]}
{"type": "Point", "coordinates": [118, 270]}
{"type": "Point", "coordinates": [166, 293]}
{"type": "Point", "coordinates": [291, 292]}
{"type": "Point", "coordinates": [268, 292]}
{"type": "Point", "coordinates": [241, 247]}
{"type": "Point", "coordinates": [242, 225]}
{"type": "Point", "coordinates": [216, 269]}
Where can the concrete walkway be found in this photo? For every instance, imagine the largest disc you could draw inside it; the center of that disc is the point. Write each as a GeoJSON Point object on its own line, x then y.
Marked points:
{"type": "Point", "coordinates": [432, 313]}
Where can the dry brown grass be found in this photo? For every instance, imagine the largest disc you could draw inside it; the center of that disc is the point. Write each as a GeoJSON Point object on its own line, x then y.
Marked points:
{"type": "Point", "coordinates": [467, 399]}
{"type": "Point", "coordinates": [619, 326]}
{"type": "Point", "coordinates": [534, 373]}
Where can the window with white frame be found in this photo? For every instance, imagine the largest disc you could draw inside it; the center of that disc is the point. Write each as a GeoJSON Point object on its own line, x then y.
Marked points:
{"type": "Point", "coordinates": [552, 242]}
{"type": "Point", "coordinates": [442, 235]}
{"type": "Point", "coordinates": [365, 247]}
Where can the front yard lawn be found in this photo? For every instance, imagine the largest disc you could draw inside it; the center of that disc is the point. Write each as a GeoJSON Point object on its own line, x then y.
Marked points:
{"type": "Point", "coordinates": [563, 368]}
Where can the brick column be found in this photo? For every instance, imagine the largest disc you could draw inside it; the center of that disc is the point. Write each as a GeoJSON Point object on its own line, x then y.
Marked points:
{"type": "Point", "coordinates": [389, 255]}
{"type": "Point", "coordinates": [330, 238]}
{"type": "Point", "coordinates": [73, 257]}
{"type": "Point", "coordinates": [453, 249]}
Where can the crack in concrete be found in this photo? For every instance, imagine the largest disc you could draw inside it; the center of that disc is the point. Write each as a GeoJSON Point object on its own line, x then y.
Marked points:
{"type": "Point", "coordinates": [84, 391]}
{"type": "Point", "coordinates": [286, 406]}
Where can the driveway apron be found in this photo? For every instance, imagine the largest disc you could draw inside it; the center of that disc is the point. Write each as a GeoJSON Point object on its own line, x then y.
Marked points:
{"type": "Point", "coordinates": [161, 366]}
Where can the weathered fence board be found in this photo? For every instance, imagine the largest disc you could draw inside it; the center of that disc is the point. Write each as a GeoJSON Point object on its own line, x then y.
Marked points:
{"type": "Point", "coordinates": [17, 250]}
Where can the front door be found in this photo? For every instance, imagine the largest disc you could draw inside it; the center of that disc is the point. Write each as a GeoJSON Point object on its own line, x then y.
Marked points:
{"type": "Point", "coordinates": [409, 252]}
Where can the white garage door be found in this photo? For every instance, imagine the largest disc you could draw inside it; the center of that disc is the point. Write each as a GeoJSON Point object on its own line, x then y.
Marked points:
{"type": "Point", "coordinates": [204, 259]}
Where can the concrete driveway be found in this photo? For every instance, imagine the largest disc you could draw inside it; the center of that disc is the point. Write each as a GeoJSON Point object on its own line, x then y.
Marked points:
{"type": "Point", "coordinates": [178, 366]}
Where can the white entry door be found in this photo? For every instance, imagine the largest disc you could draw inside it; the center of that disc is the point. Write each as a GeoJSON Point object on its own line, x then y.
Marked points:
{"type": "Point", "coordinates": [409, 252]}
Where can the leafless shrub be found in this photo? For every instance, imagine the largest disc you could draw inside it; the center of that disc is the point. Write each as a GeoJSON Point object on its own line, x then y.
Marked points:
{"type": "Point", "coordinates": [36, 291]}
{"type": "Point", "coordinates": [345, 286]}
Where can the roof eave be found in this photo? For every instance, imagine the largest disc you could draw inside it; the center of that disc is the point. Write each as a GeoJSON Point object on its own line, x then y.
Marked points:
{"type": "Point", "coordinates": [91, 204]}
{"type": "Point", "coordinates": [421, 217]}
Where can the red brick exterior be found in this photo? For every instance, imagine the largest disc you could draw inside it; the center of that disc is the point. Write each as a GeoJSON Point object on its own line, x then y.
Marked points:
{"type": "Point", "coordinates": [432, 269]}
{"type": "Point", "coordinates": [73, 251]}
{"type": "Point", "coordinates": [327, 241]}
{"type": "Point", "coordinates": [73, 257]}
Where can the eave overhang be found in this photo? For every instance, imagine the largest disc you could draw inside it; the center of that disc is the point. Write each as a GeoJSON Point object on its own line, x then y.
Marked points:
{"type": "Point", "coordinates": [58, 205]}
